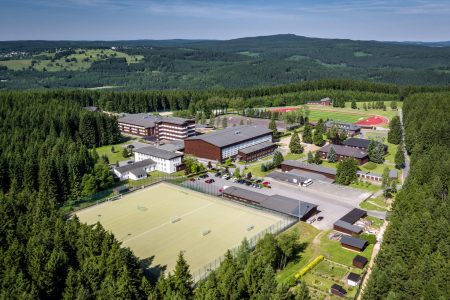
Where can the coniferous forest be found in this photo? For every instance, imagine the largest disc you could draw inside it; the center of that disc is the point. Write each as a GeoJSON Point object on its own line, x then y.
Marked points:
{"type": "Point", "coordinates": [47, 158]}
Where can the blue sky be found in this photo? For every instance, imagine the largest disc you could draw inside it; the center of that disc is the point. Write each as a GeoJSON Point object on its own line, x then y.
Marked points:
{"type": "Point", "coordinates": [399, 20]}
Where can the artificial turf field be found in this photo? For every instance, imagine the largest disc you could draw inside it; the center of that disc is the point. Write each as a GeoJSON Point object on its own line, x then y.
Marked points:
{"type": "Point", "coordinates": [315, 115]}
{"type": "Point", "coordinates": [142, 220]}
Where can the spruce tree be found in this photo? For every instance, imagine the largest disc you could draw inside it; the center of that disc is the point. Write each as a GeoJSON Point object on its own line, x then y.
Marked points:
{"type": "Point", "coordinates": [400, 157]}
{"type": "Point", "coordinates": [307, 135]}
{"type": "Point", "coordinates": [395, 131]}
{"type": "Point", "coordinates": [294, 144]}
{"type": "Point", "coordinates": [317, 159]}
{"type": "Point", "coordinates": [182, 278]}
{"type": "Point", "coordinates": [318, 137]}
{"type": "Point", "coordinates": [212, 119]}
{"type": "Point", "coordinates": [277, 159]}
{"type": "Point", "coordinates": [310, 159]}
{"type": "Point", "coordinates": [273, 127]}
{"type": "Point", "coordinates": [303, 292]}
{"type": "Point", "coordinates": [331, 156]}
{"type": "Point", "coordinates": [346, 171]}
{"type": "Point", "coordinates": [354, 104]}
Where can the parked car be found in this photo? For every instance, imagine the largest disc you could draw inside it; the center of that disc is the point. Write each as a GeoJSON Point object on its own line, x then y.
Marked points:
{"type": "Point", "coordinates": [248, 183]}
{"type": "Point", "coordinates": [258, 180]}
{"type": "Point", "coordinates": [226, 177]}
{"type": "Point", "coordinates": [307, 182]}
{"type": "Point", "coordinates": [192, 179]}
{"type": "Point", "coordinates": [218, 174]}
{"type": "Point", "coordinates": [209, 181]}
{"type": "Point", "coordinates": [320, 218]}
{"type": "Point", "coordinates": [241, 181]}
{"type": "Point", "coordinates": [204, 176]}
{"type": "Point", "coordinates": [234, 179]}
{"type": "Point", "coordinates": [266, 183]}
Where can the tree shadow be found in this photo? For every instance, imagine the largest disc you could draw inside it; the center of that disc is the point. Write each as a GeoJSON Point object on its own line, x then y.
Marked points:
{"type": "Point", "coordinates": [153, 273]}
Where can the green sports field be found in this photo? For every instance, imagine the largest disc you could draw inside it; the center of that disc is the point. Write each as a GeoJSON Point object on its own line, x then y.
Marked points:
{"type": "Point", "coordinates": [315, 115]}
{"type": "Point", "coordinates": [145, 222]}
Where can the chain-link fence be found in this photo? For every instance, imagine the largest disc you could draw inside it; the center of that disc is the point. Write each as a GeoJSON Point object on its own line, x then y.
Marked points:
{"type": "Point", "coordinates": [280, 226]}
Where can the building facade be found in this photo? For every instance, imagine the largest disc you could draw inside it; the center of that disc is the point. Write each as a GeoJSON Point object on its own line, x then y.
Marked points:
{"type": "Point", "coordinates": [226, 143]}
{"type": "Point", "coordinates": [135, 171]}
{"type": "Point", "coordinates": [165, 161]}
{"type": "Point", "coordinates": [343, 152]}
{"type": "Point", "coordinates": [163, 128]}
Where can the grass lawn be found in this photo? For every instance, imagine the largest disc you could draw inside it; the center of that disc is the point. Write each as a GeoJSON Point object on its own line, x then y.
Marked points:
{"type": "Point", "coordinates": [365, 186]}
{"type": "Point", "coordinates": [152, 176]}
{"type": "Point", "coordinates": [375, 168]}
{"type": "Point", "coordinates": [392, 150]}
{"type": "Point", "coordinates": [117, 155]}
{"type": "Point", "coordinates": [293, 156]}
{"type": "Point", "coordinates": [369, 206]}
{"type": "Point", "coordinates": [376, 223]}
{"type": "Point", "coordinates": [315, 115]}
{"type": "Point", "coordinates": [326, 163]}
{"type": "Point", "coordinates": [255, 168]}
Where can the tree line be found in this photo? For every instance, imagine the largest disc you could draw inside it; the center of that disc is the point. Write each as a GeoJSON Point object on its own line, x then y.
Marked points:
{"type": "Point", "coordinates": [413, 262]}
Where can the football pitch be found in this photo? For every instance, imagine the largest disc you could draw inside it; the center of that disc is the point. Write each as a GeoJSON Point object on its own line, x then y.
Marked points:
{"type": "Point", "coordinates": [347, 117]}
{"type": "Point", "coordinates": [160, 221]}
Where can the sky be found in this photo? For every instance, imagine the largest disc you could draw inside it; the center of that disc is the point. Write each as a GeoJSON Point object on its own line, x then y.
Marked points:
{"type": "Point", "coordinates": [383, 20]}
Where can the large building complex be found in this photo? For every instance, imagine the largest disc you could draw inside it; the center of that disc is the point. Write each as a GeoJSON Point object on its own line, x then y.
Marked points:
{"type": "Point", "coordinates": [231, 141]}
{"type": "Point", "coordinates": [163, 128]}
{"type": "Point", "coordinates": [166, 161]}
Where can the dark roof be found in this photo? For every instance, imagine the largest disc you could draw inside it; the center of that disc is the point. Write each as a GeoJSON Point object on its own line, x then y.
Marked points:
{"type": "Point", "coordinates": [348, 226]}
{"type": "Point", "coordinates": [360, 143]}
{"type": "Point", "coordinates": [353, 277]}
{"type": "Point", "coordinates": [361, 259]}
{"type": "Point", "coordinates": [354, 215]}
{"type": "Point", "coordinates": [311, 167]}
{"type": "Point", "coordinates": [310, 174]}
{"type": "Point", "coordinates": [157, 152]}
{"type": "Point", "coordinates": [339, 288]}
{"type": "Point", "coordinates": [245, 194]}
{"type": "Point", "coordinates": [256, 147]}
{"type": "Point", "coordinates": [277, 203]}
{"type": "Point", "coordinates": [353, 241]}
{"type": "Point", "coordinates": [232, 135]}
{"type": "Point", "coordinates": [137, 165]}
{"type": "Point", "coordinates": [342, 125]}
{"type": "Point", "coordinates": [344, 151]}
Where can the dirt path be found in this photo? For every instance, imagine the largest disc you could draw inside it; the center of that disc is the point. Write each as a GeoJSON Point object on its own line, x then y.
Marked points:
{"type": "Point", "coordinates": [315, 244]}
{"type": "Point", "coordinates": [375, 251]}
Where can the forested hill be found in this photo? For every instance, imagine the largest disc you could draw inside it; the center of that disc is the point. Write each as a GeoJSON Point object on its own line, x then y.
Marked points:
{"type": "Point", "coordinates": [213, 64]}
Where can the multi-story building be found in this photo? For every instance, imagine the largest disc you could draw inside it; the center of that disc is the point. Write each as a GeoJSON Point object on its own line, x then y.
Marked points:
{"type": "Point", "coordinates": [343, 152]}
{"type": "Point", "coordinates": [163, 128]}
{"type": "Point", "coordinates": [226, 143]}
{"type": "Point", "coordinates": [166, 161]}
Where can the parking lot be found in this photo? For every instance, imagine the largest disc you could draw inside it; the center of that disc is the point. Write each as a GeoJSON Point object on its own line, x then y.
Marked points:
{"type": "Point", "coordinates": [333, 201]}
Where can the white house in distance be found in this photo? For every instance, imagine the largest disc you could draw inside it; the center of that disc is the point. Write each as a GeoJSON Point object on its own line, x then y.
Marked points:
{"type": "Point", "coordinates": [166, 161]}
{"type": "Point", "coordinates": [353, 279]}
{"type": "Point", "coordinates": [136, 170]}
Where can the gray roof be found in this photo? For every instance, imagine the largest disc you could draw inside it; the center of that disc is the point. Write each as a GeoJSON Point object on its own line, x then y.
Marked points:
{"type": "Point", "coordinates": [256, 147]}
{"type": "Point", "coordinates": [157, 152]}
{"type": "Point", "coordinates": [232, 135]}
{"type": "Point", "coordinates": [311, 167]}
{"type": "Point", "coordinates": [354, 242]}
{"type": "Point", "coordinates": [277, 203]}
{"type": "Point", "coordinates": [137, 165]}
{"type": "Point", "coordinates": [288, 177]}
{"type": "Point", "coordinates": [148, 121]}
{"type": "Point", "coordinates": [393, 173]}
{"type": "Point", "coordinates": [348, 226]}
{"type": "Point", "coordinates": [171, 147]}
{"type": "Point", "coordinates": [143, 120]}
{"type": "Point", "coordinates": [344, 151]}
{"type": "Point", "coordinates": [172, 120]}
{"type": "Point", "coordinates": [342, 125]}
{"type": "Point", "coordinates": [361, 143]}
{"type": "Point", "coordinates": [310, 175]}
{"type": "Point", "coordinates": [91, 108]}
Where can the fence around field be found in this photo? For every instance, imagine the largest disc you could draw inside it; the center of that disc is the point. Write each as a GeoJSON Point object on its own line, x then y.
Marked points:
{"type": "Point", "coordinates": [202, 273]}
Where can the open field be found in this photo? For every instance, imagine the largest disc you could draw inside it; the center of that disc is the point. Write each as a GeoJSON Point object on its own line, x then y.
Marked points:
{"type": "Point", "coordinates": [79, 61]}
{"type": "Point", "coordinates": [143, 221]}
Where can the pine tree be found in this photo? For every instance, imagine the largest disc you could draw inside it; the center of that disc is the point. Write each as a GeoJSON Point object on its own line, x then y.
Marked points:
{"type": "Point", "coordinates": [277, 159]}
{"type": "Point", "coordinates": [182, 278]}
{"type": "Point", "coordinates": [395, 131]}
{"type": "Point", "coordinates": [377, 153]}
{"type": "Point", "coordinates": [400, 157]}
{"type": "Point", "coordinates": [307, 135]}
{"type": "Point", "coordinates": [273, 127]}
{"type": "Point", "coordinates": [331, 156]}
{"type": "Point", "coordinates": [354, 104]}
{"type": "Point", "coordinates": [310, 159]}
{"type": "Point", "coordinates": [294, 144]}
{"type": "Point", "coordinates": [125, 152]}
{"type": "Point", "coordinates": [346, 171]}
{"type": "Point", "coordinates": [317, 159]}
{"type": "Point", "coordinates": [318, 138]}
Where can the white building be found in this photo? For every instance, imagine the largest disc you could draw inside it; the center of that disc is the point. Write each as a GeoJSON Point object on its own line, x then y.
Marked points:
{"type": "Point", "coordinates": [166, 161]}
{"type": "Point", "coordinates": [136, 170]}
{"type": "Point", "coordinates": [353, 279]}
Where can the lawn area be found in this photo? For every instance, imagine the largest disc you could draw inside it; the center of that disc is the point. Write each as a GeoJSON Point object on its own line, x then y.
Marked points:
{"type": "Point", "coordinates": [369, 206]}
{"type": "Point", "coordinates": [392, 150]}
{"type": "Point", "coordinates": [293, 156]}
{"type": "Point", "coordinates": [117, 155]}
{"type": "Point", "coordinates": [255, 168]}
{"type": "Point", "coordinates": [315, 115]}
{"type": "Point", "coordinates": [375, 168]}
{"type": "Point", "coordinates": [365, 186]}
{"type": "Point", "coordinates": [376, 223]}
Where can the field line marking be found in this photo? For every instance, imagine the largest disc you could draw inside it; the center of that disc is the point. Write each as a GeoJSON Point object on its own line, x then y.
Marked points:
{"type": "Point", "coordinates": [166, 223]}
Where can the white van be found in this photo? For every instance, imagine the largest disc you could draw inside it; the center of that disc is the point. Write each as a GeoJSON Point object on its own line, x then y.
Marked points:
{"type": "Point", "coordinates": [307, 182]}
